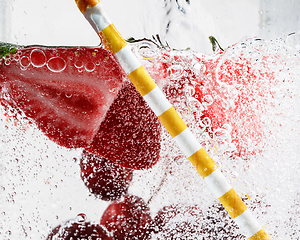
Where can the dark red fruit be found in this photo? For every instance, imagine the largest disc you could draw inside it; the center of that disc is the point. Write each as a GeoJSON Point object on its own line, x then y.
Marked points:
{"type": "Point", "coordinates": [104, 178]}
{"type": "Point", "coordinates": [218, 225]}
{"type": "Point", "coordinates": [67, 92]}
{"type": "Point", "coordinates": [128, 219]}
{"type": "Point", "coordinates": [130, 132]}
{"type": "Point", "coordinates": [178, 222]}
{"type": "Point", "coordinates": [79, 230]}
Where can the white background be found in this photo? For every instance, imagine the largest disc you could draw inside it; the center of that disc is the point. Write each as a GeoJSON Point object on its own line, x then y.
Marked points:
{"type": "Point", "coordinates": [58, 22]}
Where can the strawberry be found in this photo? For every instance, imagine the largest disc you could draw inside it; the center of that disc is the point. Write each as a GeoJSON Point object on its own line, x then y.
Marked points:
{"type": "Point", "coordinates": [65, 90]}
{"type": "Point", "coordinates": [70, 93]}
{"type": "Point", "coordinates": [227, 94]}
{"type": "Point", "coordinates": [130, 133]}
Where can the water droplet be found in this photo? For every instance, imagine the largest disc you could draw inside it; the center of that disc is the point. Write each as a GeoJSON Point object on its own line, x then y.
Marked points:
{"type": "Point", "coordinates": [81, 218]}
{"type": "Point", "coordinates": [24, 61]}
{"type": "Point", "coordinates": [56, 64]}
{"type": "Point", "coordinates": [38, 58]}
{"type": "Point", "coordinates": [90, 67]}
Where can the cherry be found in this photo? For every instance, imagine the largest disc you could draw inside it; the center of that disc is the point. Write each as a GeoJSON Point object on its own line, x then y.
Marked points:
{"type": "Point", "coordinates": [178, 222]}
{"type": "Point", "coordinates": [128, 218]}
{"type": "Point", "coordinates": [104, 178]}
{"type": "Point", "coordinates": [79, 229]}
{"type": "Point", "coordinates": [218, 224]}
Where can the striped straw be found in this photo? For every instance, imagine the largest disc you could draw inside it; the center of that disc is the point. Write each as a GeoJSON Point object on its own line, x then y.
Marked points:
{"type": "Point", "coordinates": [168, 116]}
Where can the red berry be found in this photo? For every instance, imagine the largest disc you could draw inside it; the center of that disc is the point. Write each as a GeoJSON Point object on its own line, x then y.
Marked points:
{"type": "Point", "coordinates": [217, 224]}
{"type": "Point", "coordinates": [66, 91]}
{"type": "Point", "coordinates": [178, 222]}
{"type": "Point", "coordinates": [226, 92]}
{"type": "Point", "coordinates": [128, 219]}
{"type": "Point", "coordinates": [104, 178]}
{"type": "Point", "coordinates": [130, 132]}
{"type": "Point", "coordinates": [79, 229]}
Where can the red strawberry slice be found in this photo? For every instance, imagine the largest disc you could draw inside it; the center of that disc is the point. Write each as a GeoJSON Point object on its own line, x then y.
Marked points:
{"type": "Point", "coordinates": [130, 133]}
{"type": "Point", "coordinates": [66, 91]}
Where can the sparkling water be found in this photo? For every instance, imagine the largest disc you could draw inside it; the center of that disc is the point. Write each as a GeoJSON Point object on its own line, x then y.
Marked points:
{"type": "Point", "coordinates": [255, 81]}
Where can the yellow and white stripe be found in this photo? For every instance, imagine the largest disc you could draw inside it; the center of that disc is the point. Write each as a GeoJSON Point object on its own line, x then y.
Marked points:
{"type": "Point", "coordinates": [171, 120]}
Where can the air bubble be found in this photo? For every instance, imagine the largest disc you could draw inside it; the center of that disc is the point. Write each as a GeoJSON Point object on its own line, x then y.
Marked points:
{"type": "Point", "coordinates": [79, 64]}
{"type": "Point", "coordinates": [24, 61]}
{"type": "Point", "coordinates": [81, 218]}
{"type": "Point", "coordinates": [199, 68]}
{"type": "Point", "coordinates": [206, 121]}
{"type": "Point", "coordinates": [293, 41]}
{"type": "Point", "coordinates": [222, 136]}
{"type": "Point", "coordinates": [112, 90]}
{"type": "Point", "coordinates": [175, 71]}
{"type": "Point", "coordinates": [89, 67]}
{"type": "Point", "coordinates": [16, 58]}
{"type": "Point", "coordinates": [7, 62]}
{"type": "Point", "coordinates": [207, 100]}
{"type": "Point", "coordinates": [38, 58]}
{"type": "Point", "coordinates": [147, 49]}
{"type": "Point", "coordinates": [56, 64]}
{"type": "Point", "coordinates": [68, 95]}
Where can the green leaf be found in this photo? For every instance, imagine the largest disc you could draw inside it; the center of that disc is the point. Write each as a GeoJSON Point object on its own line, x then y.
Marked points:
{"type": "Point", "coordinates": [215, 45]}
{"type": "Point", "coordinates": [7, 49]}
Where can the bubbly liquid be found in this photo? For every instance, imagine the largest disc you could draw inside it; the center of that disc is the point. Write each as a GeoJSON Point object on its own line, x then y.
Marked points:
{"type": "Point", "coordinates": [255, 82]}
{"type": "Point", "coordinates": [40, 181]}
